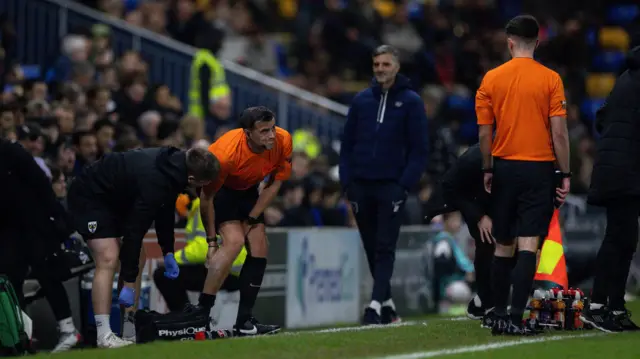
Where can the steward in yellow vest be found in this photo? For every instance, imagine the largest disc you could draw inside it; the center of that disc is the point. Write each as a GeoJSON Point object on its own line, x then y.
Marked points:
{"type": "Point", "coordinates": [207, 84]}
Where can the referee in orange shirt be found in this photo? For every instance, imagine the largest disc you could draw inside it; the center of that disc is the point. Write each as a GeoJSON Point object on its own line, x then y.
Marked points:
{"type": "Point", "coordinates": [526, 103]}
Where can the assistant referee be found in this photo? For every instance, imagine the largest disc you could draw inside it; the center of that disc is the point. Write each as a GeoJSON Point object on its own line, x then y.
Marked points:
{"type": "Point", "coordinates": [525, 101]}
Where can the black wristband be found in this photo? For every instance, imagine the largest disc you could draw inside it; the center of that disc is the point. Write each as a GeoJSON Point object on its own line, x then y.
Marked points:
{"type": "Point", "coordinates": [566, 174]}
{"type": "Point", "coordinates": [212, 240]}
{"type": "Point", "coordinates": [487, 170]}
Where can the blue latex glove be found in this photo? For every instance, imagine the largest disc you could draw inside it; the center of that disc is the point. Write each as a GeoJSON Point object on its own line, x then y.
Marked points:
{"type": "Point", "coordinates": [127, 297]}
{"type": "Point", "coordinates": [171, 269]}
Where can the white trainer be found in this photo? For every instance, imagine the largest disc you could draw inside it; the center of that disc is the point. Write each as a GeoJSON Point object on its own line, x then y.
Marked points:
{"type": "Point", "coordinates": [112, 341]}
{"type": "Point", "coordinates": [67, 341]}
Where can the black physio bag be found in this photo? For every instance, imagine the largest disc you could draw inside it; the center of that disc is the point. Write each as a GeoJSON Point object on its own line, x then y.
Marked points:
{"type": "Point", "coordinates": [187, 325]}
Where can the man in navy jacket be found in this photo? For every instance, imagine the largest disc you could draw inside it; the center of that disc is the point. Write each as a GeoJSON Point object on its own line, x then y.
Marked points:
{"type": "Point", "coordinates": [383, 155]}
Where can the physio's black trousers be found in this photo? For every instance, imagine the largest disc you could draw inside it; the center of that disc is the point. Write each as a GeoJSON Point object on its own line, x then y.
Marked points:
{"type": "Point", "coordinates": [378, 208]}
{"type": "Point", "coordinates": [482, 264]}
{"type": "Point", "coordinates": [18, 254]}
{"type": "Point", "coordinates": [616, 252]}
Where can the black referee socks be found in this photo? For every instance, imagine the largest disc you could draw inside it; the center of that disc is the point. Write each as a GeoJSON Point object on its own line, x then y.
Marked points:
{"type": "Point", "coordinates": [207, 300]}
{"type": "Point", "coordinates": [250, 281]}
{"type": "Point", "coordinates": [523, 275]}
{"type": "Point", "coordinates": [501, 283]}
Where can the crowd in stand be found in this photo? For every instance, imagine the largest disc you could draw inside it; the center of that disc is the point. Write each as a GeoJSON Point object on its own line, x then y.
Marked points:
{"type": "Point", "coordinates": [92, 102]}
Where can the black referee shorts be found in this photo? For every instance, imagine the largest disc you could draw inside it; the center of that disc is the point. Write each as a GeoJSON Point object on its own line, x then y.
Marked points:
{"type": "Point", "coordinates": [234, 205]}
{"type": "Point", "coordinates": [522, 195]}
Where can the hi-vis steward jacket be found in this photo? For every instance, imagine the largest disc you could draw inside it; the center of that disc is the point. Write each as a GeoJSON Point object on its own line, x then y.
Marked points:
{"type": "Point", "coordinates": [195, 252]}
{"type": "Point", "coordinates": [217, 83]}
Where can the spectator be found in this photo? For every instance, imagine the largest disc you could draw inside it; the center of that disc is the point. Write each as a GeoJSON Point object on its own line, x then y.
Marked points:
{"type": "Point", "coordinates": [7, 120]}
{"type": "Point", "coordinates": [59, 185]}
{"type": "Point", "coordinates": [30, 137]}
{"type": "Point", "coordinates": [86, 148]}
{"type": "Point", "coordinates": [260, 53]}
{"type": "Point", "coordinates": [185, 23]}
{"type": "Point", "coordinates": [130, 101]}
{"type": "Point", "coordinates": [105, 131]}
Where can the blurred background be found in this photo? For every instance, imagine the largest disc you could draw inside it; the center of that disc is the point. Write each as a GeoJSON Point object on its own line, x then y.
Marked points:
{"type": "Point", "coordinates": [83, 78]}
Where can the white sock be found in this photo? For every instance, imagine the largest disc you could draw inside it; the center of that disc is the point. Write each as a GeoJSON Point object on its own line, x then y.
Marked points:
{"type": "Point", "coordinates": [595, 306]}
{"type": "Point", "coordinates": [389, 303]}
{"type": "Point", "coordinates": [103, 325]}
{"type": "Point", "coordinates": [477, 302]}
{"type": "Point", "coordinates": [66, 325]}
{"type": "Point", "coordinates": [375, 305]}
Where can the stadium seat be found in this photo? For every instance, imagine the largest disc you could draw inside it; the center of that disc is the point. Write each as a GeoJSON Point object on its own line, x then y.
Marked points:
{"type": "Point", "coordinates": [355, 86]}
{"type": "Point", "coordinates": [461, 103]}
{"type": "Point", "coordinates": [31, 72]}
{"type": "Point", "coordinates": [623, 14]}
{"type": "Point", "coordinates": [288, 8]}
{"type": "Point", "coordinates": [590, 106]}
{"type": "Point", "coordinates": [599, 85]}
{"type": "Point", "coordinates": [283, 67]}
{"type": "Point", "coordinates": [415, 11]}
{"type": "Point", "coordinates": [591, 37]}
{"type": "Point", "coordinates": [608, 61]}
{"type": "Point", "coordinates": [614, 38]}
{"type": "Point", "coordinates": [130, 5]}
{"type": "Point", "coordinates": [385, 8]}
{"type": "Point", "coordinates": [284, 38]}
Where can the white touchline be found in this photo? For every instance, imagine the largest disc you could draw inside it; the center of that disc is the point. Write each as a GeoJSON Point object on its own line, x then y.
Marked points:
{"type": "Point", "coordinates": [483, 347]}
{"type": "Point", "coordinates": [355, 328]}
{"type": "Point", "coordinates": [361, 327]}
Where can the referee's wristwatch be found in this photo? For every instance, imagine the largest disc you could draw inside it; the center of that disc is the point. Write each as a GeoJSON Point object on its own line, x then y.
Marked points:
{"type": "Point", "coordinates": [212, 241]}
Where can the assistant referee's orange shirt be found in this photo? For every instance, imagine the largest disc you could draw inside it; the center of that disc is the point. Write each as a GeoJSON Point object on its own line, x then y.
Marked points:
{"type": "Point", "coordinates": [520, 96]}
{"type": "Point", "coordinates": [241, 169]}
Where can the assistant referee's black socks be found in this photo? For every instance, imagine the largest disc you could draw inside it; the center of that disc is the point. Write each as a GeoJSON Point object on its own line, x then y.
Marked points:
{"type": "Point", "coordinates": [250, 281]}
{"type": "Point", "coordinates": [207, 300]}
{"type": "Point", "coordinates": [501, 283]}
{"type": "Point", "coordinates": [523, 275]}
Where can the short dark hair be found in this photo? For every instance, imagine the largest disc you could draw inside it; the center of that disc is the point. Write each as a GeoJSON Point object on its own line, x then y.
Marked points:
{"type": "Point", "coordinates": [386, 49]}
{"type": "Point", "coordinates": [77, 137]}
{"type": "Point", "coordinates": [105, 122]}
{"type": "Point", "coordinates": [202, 164]}
{"type": "Point", "coordinates": [251, 115]}
{"type": "Point", "coordinates": [167, 128]}
{"type": "Point", "coordinates": [523, 26]}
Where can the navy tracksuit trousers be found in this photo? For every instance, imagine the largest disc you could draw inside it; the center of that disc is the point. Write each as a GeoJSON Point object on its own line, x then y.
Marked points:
{"type": "Point", "coordinates": [378, 207]}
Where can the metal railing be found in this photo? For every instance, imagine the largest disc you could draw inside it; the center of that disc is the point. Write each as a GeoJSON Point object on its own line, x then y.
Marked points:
{"type": "Point", "coordinates": [41, 24]}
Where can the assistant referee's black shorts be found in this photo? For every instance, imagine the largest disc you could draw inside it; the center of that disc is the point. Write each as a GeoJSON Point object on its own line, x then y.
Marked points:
{"type": "Point", "coordinates": [522, 199]}
{"type": "Point", "coordinates": [234, 205]}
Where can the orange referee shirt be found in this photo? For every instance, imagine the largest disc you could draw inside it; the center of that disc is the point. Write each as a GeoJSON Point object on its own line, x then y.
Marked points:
{"type": "Point", "coordinates": [241, 169]}
{"type": "Point", "coordinates": [520, 96]}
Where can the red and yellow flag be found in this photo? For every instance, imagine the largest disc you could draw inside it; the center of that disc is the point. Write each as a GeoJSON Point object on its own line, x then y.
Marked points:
{"type": "Point", "coordinates": [552, 266]}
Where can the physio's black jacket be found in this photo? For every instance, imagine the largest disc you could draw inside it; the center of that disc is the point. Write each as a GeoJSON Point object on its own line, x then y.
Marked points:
{"type": "Point", "coordinates": [27, 198]}
{"type": "Point", "coordinates": [461, 189]}
{"type": "Point", "coordinates": [142, 184]}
